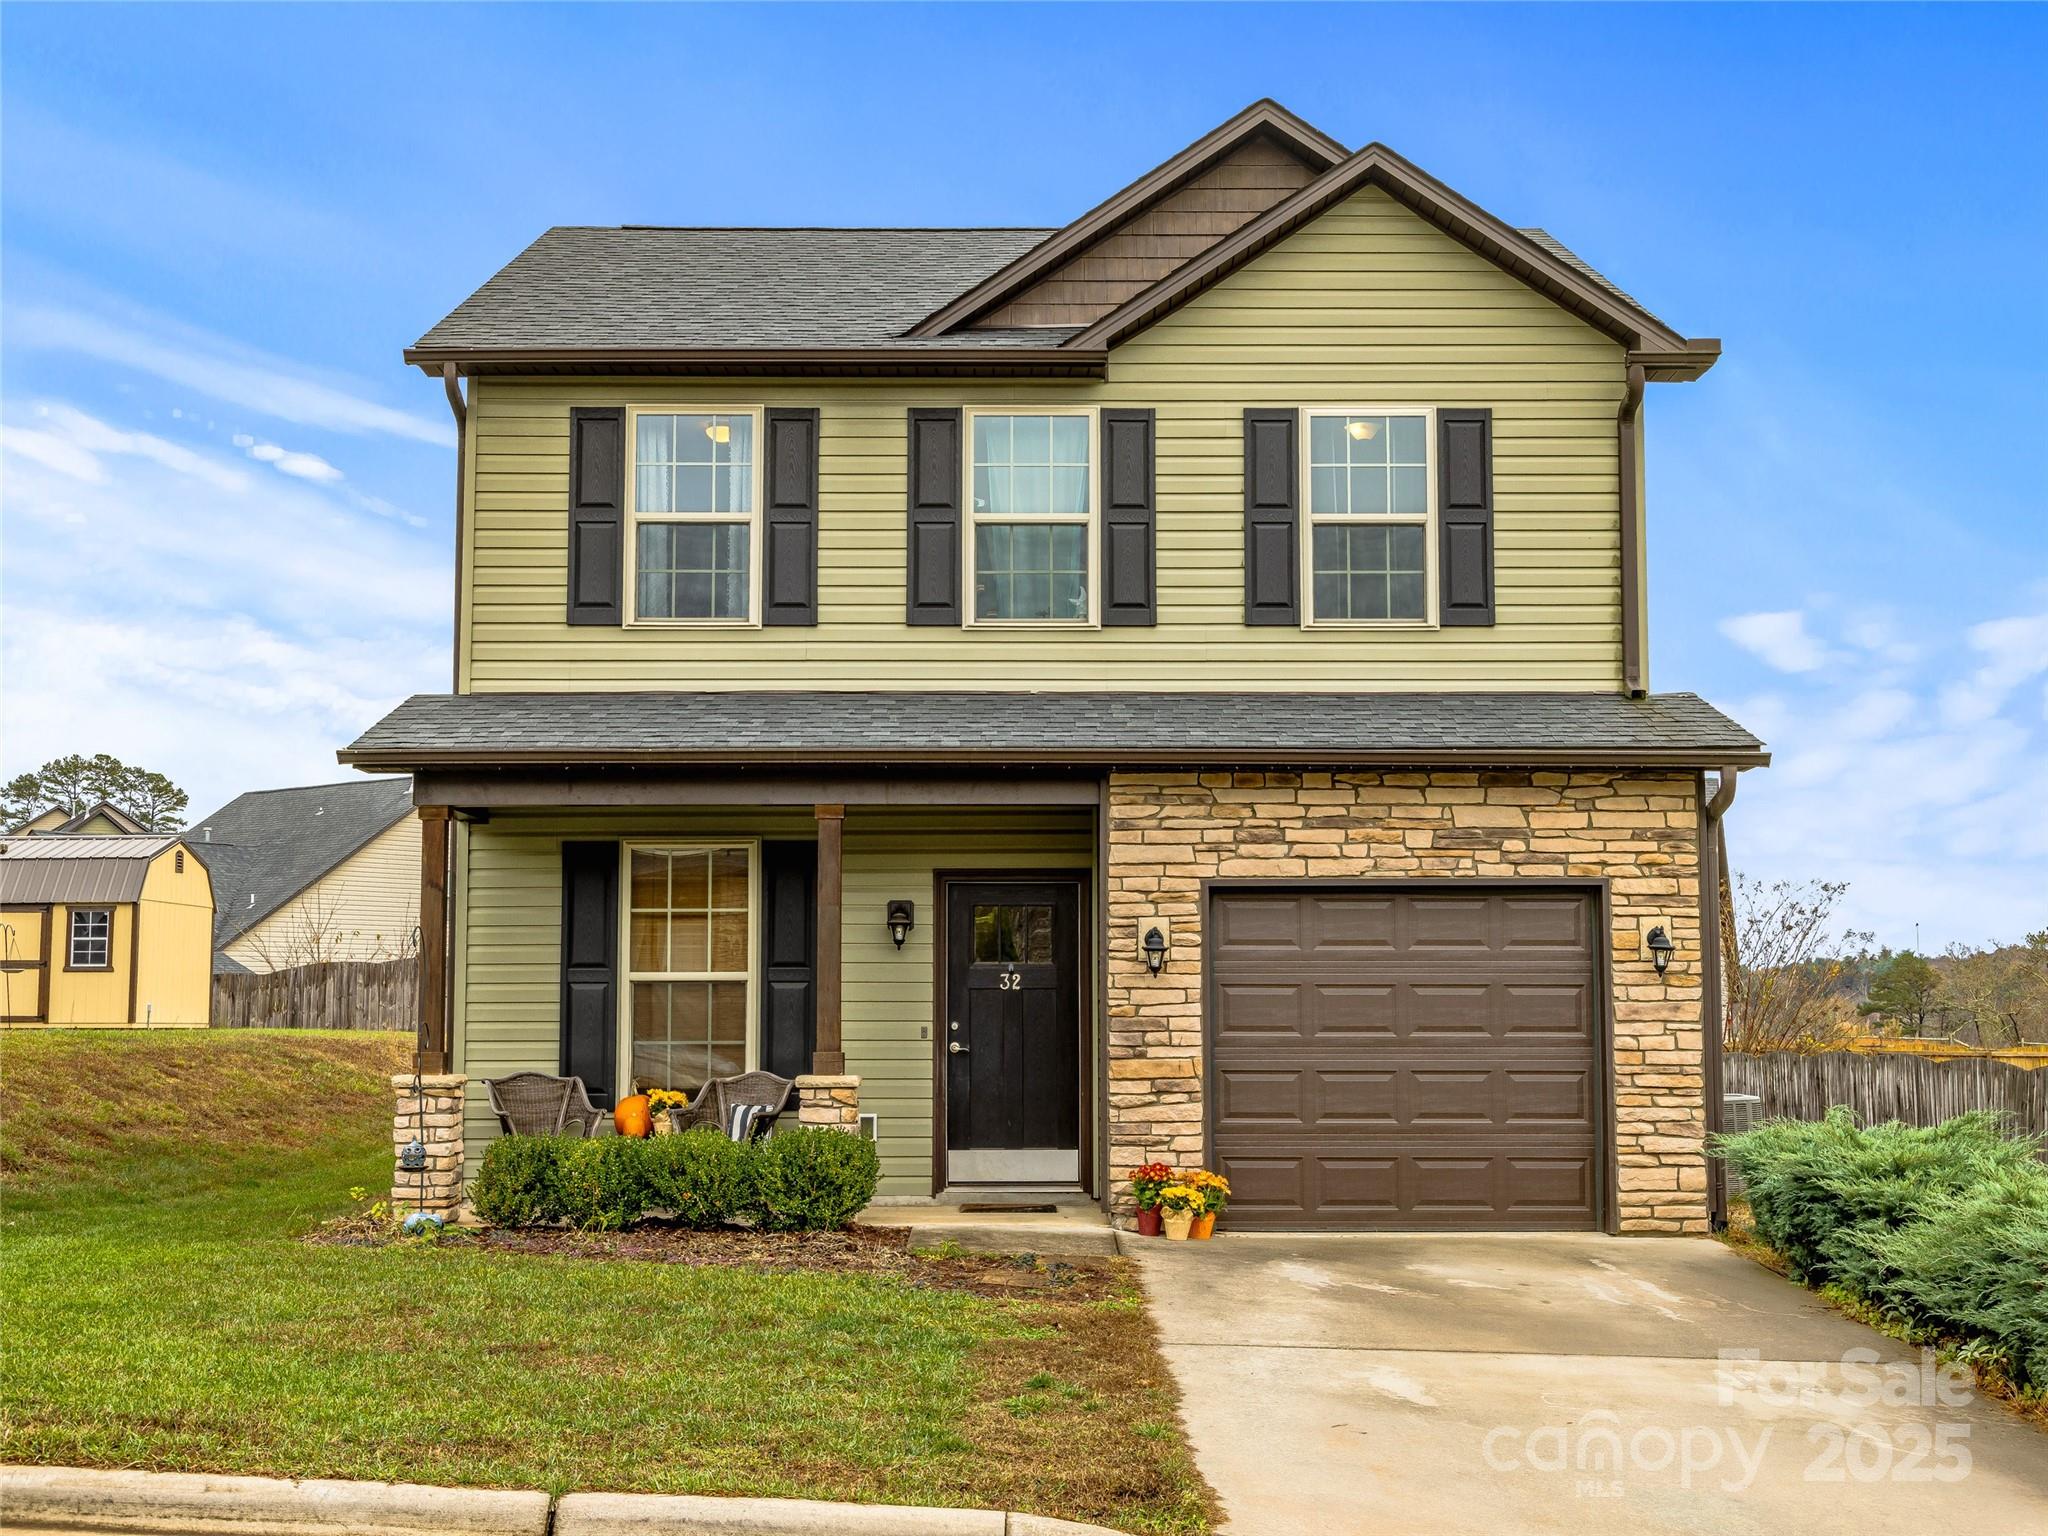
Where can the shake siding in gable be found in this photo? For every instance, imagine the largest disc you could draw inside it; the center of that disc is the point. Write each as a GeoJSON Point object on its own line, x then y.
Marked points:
{"type": "Point", "coordinates": [1366, 305]}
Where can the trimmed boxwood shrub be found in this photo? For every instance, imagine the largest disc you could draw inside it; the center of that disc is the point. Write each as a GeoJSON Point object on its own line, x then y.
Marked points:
{"type": "Point", "coordinates": [519, 1183]}
{"type": "Point", "coordinates": [813, 1178]}
{"type": "Point", "coordinates": [1944, 1227]}
{"type": "Point", "coordinates": [604, 1183]}
{"type": "Point", "coordinates": [703, 1176]}
{"type": "Point", "coordinates": [799, 1180]}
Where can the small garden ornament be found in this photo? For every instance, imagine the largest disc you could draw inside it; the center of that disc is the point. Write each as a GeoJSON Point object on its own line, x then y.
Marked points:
{"type": "Point", "coordinates": [1146, 1183]}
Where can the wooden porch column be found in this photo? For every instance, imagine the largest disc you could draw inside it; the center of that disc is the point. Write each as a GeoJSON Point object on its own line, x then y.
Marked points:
{"type": "Point", "coordinates": [828, 1056]}
{"type": "Point", "coordinates": [433, 970]}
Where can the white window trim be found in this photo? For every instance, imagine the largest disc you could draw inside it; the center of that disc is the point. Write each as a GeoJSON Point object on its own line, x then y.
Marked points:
{"type": "Point", "coordinates": [623, 1071]}
{"type": "Point", "coordinates": [72, 939]}
{"type": "Point", "coordinates": [1431, 576]}
{"type": "Point", "coordinates": [633, 516]}
{"type": "Point", "coordinates": [1093, 519]}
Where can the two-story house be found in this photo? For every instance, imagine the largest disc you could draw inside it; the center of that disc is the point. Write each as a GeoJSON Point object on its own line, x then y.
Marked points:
{"type": "Point", "coordinates": [1172, 686]}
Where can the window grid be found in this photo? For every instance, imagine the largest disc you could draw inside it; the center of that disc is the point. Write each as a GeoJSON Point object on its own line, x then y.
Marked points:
{"type": "Point", "coordinates": [695, 501]}
{"type": "Point", "coordinates": [1370, 493]}
{"type": "Point", "coordinates": [689, 972]}
{"type": "Point", "coordinates": [92, 939]}
{"type": "Point", "coordinates": [1031, 504]}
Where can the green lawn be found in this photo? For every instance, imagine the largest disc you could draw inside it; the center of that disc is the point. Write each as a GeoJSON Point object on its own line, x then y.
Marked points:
{"type": "Point", "coordinates": [164, 1312]}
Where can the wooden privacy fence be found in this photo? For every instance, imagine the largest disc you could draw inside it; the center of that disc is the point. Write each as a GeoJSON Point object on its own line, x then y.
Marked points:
{"type": "Point", "coordinates": [1889, 1086]}
{"type": "Point", "coordinates": [332, 994]}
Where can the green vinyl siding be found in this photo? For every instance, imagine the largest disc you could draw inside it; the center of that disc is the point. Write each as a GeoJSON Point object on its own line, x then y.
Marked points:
{"type": "Point", "coordinates": [1368, 305]}
{"type": "Point", "coordinates": [507, 958]}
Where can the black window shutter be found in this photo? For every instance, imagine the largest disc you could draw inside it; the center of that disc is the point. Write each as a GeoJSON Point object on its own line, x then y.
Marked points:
{"type": "Point", "coordinates": [1272, 546]}
{"type": "Point", "coordinates": [597, 514]}
{"type": "Point", "coordinates": [1129, 581]}
{"type": "Point", "coordinates": [933, 573]}
{"type": "Point", "coordinates": [1464, 515]}
{"type": "Point", "coordinates": [590, 966]}
{"type": "Point", "coordinates": [789, 956]}
{"type": "Point", "coordinates": [790, 518]}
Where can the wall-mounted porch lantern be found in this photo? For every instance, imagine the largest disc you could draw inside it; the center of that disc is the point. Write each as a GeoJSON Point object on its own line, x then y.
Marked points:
{"type": "Point", "coordinates": [902, 918]}
{"type": "Point", "coordinates": [1153, 946]}
{"type": "Point", "coordinates": [1661, 949]}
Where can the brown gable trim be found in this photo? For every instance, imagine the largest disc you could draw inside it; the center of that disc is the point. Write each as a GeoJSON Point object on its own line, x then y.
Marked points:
{"type": "Point", "coordinates": [1457, 216]}
{"type": "Point", "coordinates": [1065, 362]}
{"type": "Point", "coordinates": [1264, 116]}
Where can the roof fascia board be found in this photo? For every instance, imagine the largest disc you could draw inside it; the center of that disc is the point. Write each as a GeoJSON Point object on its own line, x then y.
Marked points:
{"type": "Point", "coordinates": [1458, 216]}
{"type": "Point", "coordinates": [1266, 116]}
{"type": "Point", "coordinates": [894, 362]}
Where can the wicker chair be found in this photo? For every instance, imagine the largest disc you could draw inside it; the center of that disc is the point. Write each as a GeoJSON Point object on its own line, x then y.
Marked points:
{"type": "Point", "coordinates": [534, 1104]}
{"type": "Point", "coordinates": [717, 1099]}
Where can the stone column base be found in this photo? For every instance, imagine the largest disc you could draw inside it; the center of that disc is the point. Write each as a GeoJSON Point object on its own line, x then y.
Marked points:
{"type": "Point", "coordinates": [435, 1117]}
{"type": "Point", "coordinates": [833, 1101]}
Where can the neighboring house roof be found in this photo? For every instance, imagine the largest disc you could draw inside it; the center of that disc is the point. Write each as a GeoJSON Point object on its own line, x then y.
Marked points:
{"type": "Point", "coordinates": [1054, 728]}
{"type": "Point", "coordinates": [874, 300]}
{"type": "Point", "coordinates": [268, 846]}
{"type": "Point", "coordinates": [54, 822]}
{"type": "Point", "coordinates": [41, 868]}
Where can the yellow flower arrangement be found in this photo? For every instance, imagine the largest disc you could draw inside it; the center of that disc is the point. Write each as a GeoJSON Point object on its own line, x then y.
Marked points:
{"type": "Point", "coordinates": [1180, 1197]}
{"type": "Point", "coordinates": [1213, 1188]}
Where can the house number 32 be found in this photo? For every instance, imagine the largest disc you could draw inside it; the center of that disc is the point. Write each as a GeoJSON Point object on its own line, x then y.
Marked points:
{"type": "Point", "coordinates": [1009, 981]}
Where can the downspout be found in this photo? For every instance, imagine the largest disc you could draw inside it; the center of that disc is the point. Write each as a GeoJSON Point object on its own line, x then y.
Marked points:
{"type": "Point", "coordinates": [451, 381]}
{"type": "Point", "coordinates": [1631, 475]}
{"type": "Point", "coordinates": [1713, 856]}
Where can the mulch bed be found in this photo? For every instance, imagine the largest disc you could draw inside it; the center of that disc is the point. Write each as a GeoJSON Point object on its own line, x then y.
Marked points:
{"type": "Point", "coordinates": [854, 1250]}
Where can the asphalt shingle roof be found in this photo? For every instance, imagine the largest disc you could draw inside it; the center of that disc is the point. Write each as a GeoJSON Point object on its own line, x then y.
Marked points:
{"type": "Point", "coordinates": [270, 844]}
{"type": "Point", "coordinates": [1053, 727]}
{"type": "Point", "coordinates": [640, 286]}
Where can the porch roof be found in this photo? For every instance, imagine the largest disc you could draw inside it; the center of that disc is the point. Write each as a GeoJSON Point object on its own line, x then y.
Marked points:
{"type": "Point", "coordinates": [1045, 729]}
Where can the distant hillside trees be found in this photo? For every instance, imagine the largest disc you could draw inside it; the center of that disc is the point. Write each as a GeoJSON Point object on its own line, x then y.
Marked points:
{"type": "Point", "coordinates": [78, 783]}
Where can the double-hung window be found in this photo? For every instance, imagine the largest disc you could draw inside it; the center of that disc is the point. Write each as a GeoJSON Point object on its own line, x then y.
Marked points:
{"type": "Point", "coordinates": [92, 940]}
{"type": "Point", "coordinates": [689, 962]}
{"type": "Point", "coordinates": [1371, 493]}
{"type": "Point", "coordinates": [695, 492]}
{"type": "Point", "coordinates": [1032, 509]}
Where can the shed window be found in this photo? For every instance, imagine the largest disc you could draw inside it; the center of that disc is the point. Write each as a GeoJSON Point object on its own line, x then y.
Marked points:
{"type": "Point", "coordinates": [1033, 509]}
{"type": "Point", "coordinates": [92, 935]}
{"type": "Point", "coordinates": [1370, 491]}
{"type": "Point", "coordinates": [695, 501]}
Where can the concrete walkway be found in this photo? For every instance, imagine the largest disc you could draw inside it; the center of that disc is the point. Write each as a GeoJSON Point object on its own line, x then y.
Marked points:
{"type": "Point", "coordinates": [1386, 1384]}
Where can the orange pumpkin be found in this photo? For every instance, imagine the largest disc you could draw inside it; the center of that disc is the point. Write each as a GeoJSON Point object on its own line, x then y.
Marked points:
{"type": "Point", "coordinates": [632, 1117]}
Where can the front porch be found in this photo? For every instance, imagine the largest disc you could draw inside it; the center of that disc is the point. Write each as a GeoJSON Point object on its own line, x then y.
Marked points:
{"type": "Point", "coordinates": [642, 931]}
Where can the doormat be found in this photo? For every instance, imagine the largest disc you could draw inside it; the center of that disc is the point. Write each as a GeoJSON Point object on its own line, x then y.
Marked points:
{"type": "Point", "coordinates": [1010, 1210]}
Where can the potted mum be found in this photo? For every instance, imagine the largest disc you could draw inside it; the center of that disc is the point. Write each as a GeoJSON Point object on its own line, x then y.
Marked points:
{"type": "Point", "coordinates": [1178, 1204]}
{"type": "Point", "coordinates": [1215, 1192]}
{"type": "Point", "coordinates": [666, 1106]}
{"type": "Point", "coordinates": [1146, 1182]}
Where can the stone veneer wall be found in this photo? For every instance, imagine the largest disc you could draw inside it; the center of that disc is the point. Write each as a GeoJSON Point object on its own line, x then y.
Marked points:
{"type": "Point", "coordinates": [1169, 831]}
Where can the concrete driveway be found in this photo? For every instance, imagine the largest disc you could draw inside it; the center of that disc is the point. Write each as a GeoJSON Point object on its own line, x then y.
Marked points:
{"type": "Point", "coordinates": [1406, 1383]}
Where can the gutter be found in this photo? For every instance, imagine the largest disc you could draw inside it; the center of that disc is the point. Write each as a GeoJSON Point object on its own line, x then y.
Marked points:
{"type": "Point", "coordinates": [451, 381]}
{"type": "Point", "coordinates": [889, 362]}
{"type": "Point", "coordinates": [1630, 463]}
{"type": "Point", "coordinates": [1713, 856]}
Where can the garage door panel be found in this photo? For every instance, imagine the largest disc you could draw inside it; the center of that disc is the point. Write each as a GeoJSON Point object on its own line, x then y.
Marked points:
{"type": "Point", "coordinates": [1419, 1060]}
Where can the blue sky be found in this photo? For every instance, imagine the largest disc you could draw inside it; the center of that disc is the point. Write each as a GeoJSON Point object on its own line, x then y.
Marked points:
{"type": "Point", "coordinates": [227, 504]}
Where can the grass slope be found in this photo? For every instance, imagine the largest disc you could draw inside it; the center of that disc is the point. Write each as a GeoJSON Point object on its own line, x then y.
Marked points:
{"type": "Point", "coordinates": [163, 1312]}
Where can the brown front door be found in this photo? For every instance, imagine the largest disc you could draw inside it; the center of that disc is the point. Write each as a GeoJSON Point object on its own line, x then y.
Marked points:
{"type": "Point", "coordinates": [1405, 1060]}
{"type": "Point", "coordinates": [1012, 1040]}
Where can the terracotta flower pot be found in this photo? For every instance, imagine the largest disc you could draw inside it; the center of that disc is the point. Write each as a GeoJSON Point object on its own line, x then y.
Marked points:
{"type": "Point", "coordinates": [1177, 1224]}
{"type": "Point", "coordinates": [1148, 1222]}
{"type": "Point", "coordinates": [1204, 1225]}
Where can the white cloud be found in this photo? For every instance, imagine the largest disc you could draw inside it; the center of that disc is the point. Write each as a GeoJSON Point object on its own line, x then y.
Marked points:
{"type": "Point", "coordinates": [1928, 796]}
{"type": "Point", "coordinates": [306, 466]}
{"type": "Point", "coordinates": [228, 629]}
{"type": "Point", "coordinates": [2015, 651]}
{"type": "Point", "coordinates": [1779, 639]}
{"type": "Point", "coordinates": [220, 369]}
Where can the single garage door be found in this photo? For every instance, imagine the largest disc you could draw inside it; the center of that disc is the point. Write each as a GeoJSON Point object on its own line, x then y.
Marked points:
{"type": "Point", "coordinates": [1404, 1060]}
